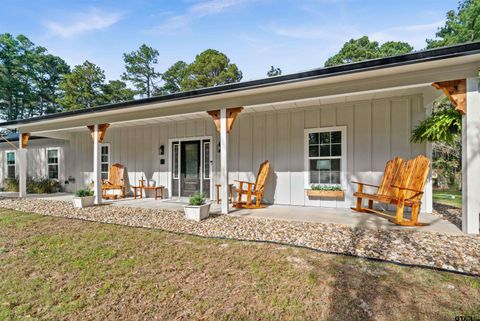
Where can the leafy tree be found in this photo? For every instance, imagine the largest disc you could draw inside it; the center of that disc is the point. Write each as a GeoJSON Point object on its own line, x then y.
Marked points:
{"type": "Point", "coordinates": [174, 76]}
{"type": "Point", "coordinates": [49, 72]}
{"type": "Point", "coordinates": [116, 91]}
{"type": "Point", "coordinates": [29, 78]}
{"type": "Point", "coordinates": [210, 68]}
{"type": "Point", "coordinates": [83, 87]}
{"type": "Point", "coordinates": [274, 72]}
{"type": "Point", "coordinates": [443, 125]}
{"type": "Point", "coordinates": [363, 49]}
{"type": "Point", "coordinates": [392, 48]}
{"type": "Point", "coordinates": [140, 70]}
{"type": "Point", "coordinates": [461, 26]}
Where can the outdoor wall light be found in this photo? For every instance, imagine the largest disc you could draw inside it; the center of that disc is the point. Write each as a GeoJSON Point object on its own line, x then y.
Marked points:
{"type": "Point", "coordinates": [161, 150]}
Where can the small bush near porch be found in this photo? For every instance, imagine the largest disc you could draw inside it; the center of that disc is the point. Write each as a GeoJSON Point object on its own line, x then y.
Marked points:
{"type": "Point", "coordinates": [54, 268]}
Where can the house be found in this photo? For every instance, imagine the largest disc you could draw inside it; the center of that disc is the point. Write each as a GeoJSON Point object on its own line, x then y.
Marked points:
{"type": "Point", "coordinates": [324, 126]}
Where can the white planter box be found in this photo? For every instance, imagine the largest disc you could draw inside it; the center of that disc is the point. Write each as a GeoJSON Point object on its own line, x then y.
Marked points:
{"type": "Point", "coordinates": [197, 213]}
{"type": "Point", "coordinates": [82, 202]}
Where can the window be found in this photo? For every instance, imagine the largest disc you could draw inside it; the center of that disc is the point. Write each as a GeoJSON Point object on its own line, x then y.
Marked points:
{"type": "Point", "coordinates": [52, 163]}
{"type": "Point", "coordinates": [206, 160]}
{"type": "Point", "coordinates": [11, 165]}
{"type": "Point", "coordinates": [105, 160]}
{"type": "Point", "coordinates": [175, 160]}
{"type": "Point", "coordinates": [325, 156]}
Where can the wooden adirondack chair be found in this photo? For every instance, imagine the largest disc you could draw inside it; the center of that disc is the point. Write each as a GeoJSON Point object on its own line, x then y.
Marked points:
{"type": "Point", "coordinates": [402, 185]}
{"type": "Point", "coordinates": [255, 189]}
{"type": "Point", "coordinates": [115, 182]}
{"type": "Point", "coordinates": [384, 190]}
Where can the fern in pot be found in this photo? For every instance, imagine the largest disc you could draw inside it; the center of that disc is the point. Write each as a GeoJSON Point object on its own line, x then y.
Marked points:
{"type": "Point", "coordinates": [197, 208]}
{"type": "Point", "coordinates": [83, 198]}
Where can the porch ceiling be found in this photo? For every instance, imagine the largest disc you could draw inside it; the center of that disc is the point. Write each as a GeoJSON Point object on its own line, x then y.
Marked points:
{"type": "Point", "coordinates": [340, 87]}
{"type": "Point", "coordinates": [425, 89]}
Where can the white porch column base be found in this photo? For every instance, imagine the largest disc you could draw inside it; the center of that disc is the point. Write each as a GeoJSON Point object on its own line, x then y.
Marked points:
{"type": "Point", "coordinates": [97, 175]}
{"type": "Point", "coordinates": [22, 168]}
{"type": "Point", "coordinates": [224, 161]}
{"type": "Point", "coordinates": [471, 159]}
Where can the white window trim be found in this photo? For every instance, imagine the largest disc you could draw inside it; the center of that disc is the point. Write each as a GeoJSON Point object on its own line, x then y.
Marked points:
{"type": "Point", "coordinates": [343, 130]}
{"type": "Point", "coordinates": [6, 162]}
{"type": "Point", "coordinates": [58, 161]}
{"type": "Point", "coordinates": [109, 158]}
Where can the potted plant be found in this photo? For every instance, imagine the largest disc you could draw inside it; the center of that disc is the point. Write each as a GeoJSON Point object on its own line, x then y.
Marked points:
{"type": "Point", "coordinates": [197, 209]}
{"type": "Point", "coordinates": [83, 198]}
{"type": "Point", "coordinates": [318, 190]}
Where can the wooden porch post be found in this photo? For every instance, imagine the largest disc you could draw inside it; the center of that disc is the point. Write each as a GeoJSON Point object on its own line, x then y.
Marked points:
{"type": "Point", "coordinates": [224, 160]}
{"type": "Point", "coordinates": [97, 178]}
{"type": "Point", "coordinates": [471, 159]}
{"type": "Point", "coordinates": [22, 163]}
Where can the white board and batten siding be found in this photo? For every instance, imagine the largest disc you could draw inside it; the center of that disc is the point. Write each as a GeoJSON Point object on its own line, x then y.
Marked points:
{"type": "Point", "coordinates": [36, 158]}
{"type": "Point", "coordinates": [376, 130]}
{"type": "Point", "coordinates": [137, 148]}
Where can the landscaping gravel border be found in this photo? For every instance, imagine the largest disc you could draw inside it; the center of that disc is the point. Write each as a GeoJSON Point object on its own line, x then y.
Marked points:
{"type": "Point", "coordinates": [459, 253]}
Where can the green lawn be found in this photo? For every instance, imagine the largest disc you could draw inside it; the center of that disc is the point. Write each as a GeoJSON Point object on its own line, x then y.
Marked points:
{"type": "Point", "coordinates": [60, 269]}
{"type": "Point", "coordinates": [448, 197]}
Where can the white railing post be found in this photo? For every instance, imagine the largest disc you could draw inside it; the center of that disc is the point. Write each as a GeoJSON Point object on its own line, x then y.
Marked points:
{"type": "Point", "coordinates": [471, 159]}
{"type": "Point", "coordinates": [224, 160]}
{"type": "Point", "coordinates": [22, 168]}
{"type": "Point", "coordinates": [97, 175]}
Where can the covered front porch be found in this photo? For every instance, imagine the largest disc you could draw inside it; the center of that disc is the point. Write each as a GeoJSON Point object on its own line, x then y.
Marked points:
{"type": "Point", "coordinates": [308, 214]}
{"type": "Point", "coordinates": [374, 105]}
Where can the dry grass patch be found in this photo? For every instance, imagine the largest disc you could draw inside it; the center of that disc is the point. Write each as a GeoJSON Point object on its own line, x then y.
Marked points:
{"type": "Point", "coordinates": [60, 269]}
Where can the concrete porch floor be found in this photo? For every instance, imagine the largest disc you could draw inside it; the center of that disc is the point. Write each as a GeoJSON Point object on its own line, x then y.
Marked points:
{"type": "Point", "coordinates": [279, 212]}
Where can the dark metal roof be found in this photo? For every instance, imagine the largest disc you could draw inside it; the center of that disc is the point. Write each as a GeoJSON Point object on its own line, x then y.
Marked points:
{"type": "Point", "coordinates": [410, 58]}
{"type": "Point", "coordinates": [14, 137]}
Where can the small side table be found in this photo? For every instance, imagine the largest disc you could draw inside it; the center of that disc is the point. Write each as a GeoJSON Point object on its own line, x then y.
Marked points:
{"type": "Point", "coordinates": [230, 191]}
{"type": "Point", "coordinates": [156, 189]}
{"type": "Point", "coordinates": [138, 191]}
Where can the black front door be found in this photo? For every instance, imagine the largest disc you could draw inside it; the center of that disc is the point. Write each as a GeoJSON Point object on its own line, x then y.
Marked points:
{"type": "Point", "coordinates": [190, 168]}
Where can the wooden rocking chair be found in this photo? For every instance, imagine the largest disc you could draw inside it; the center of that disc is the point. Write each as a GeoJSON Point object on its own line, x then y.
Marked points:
{"type": "Point", "coordinates": [255, 189]}
{"type": "Point", "coordinates": [115, 182]}
{"type": "Point", "coordinates": [402, 185]}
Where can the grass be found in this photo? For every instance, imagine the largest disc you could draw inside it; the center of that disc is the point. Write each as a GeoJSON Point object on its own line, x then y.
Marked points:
{"type": "Point", "coordinates": [60, 269]}
{"type": "Point", "coordinates": [448, 197]}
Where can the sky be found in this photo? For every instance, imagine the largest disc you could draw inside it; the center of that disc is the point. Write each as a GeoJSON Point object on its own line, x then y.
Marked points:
{"type": "Point", "coordinates": [294, 35]}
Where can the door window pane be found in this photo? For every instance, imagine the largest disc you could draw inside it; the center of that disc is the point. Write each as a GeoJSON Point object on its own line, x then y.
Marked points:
{"type": "Point", "coordinates": [206, 160]}
{"type": "Point", "coordinates": [175, 161]}
{"type": "Point", "coordinates": [191, 161]}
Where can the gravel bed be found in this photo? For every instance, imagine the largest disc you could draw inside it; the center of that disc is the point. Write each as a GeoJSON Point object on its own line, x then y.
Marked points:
{"type": "Point", "coordinates": [449, 213]}
{"type": "Point", "coordinates": [459, 253]}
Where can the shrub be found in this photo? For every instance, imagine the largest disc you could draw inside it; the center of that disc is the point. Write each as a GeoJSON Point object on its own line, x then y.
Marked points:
{"type": "Point", "coordinates": [42, 185]}
{"type": "Point", "coordinates": [84, 192]}
{"type": "Point", "coordinates": [34, 185]}
{"type": "Point", "coordinates": [11, 185]}
{"type": "Point", "coordinates": [197, 199]}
